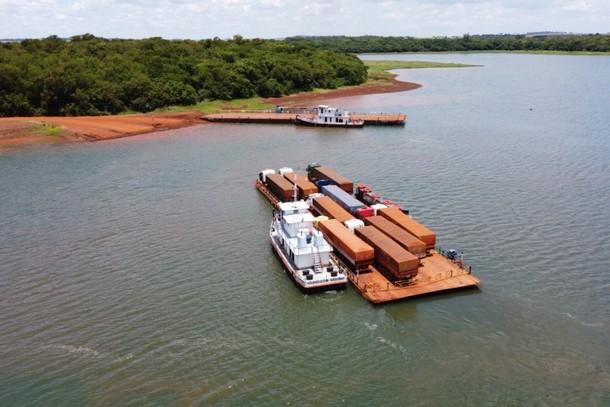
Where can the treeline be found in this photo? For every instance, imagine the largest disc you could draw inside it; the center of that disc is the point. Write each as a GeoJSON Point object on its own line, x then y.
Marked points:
{"type": "Point", "coordinates": [86, 75]}
{"type": "Point", "coordinates": [568, 43]}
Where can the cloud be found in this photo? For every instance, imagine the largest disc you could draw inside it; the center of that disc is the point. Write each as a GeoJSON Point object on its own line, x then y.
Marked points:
{"type": "Point", "coordinates": [279, 18]}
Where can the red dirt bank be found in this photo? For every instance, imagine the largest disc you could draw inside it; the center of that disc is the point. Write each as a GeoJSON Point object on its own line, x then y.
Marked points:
{"type": "Point", "coordinates": [312, 98]}
{"type": "Point", "coordinates": [18, 131]}
{"type": "Point", "coordinates": [15, 131]}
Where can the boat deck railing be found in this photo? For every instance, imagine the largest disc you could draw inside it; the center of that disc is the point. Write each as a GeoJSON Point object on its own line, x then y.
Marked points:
{"type": "Point", "coordinates": [459, 261]}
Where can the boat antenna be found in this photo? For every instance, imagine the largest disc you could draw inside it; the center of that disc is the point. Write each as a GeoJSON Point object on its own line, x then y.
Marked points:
{"type": "Point", "coordinates": [294, 189]}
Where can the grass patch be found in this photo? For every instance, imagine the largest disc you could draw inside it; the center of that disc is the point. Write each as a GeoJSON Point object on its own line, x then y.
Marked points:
{"type": "Point", "coordinates": [47, 130]}
{"type": "Point", "coordinates": [215, 106]}
{"type": "Point", "coordinates": [128, 112]}
{"type": "Point", "coordinates": [378, 70]}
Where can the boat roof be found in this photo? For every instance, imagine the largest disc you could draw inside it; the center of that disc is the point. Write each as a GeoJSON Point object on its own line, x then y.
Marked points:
{"type": "Point", "coordinates": [294, 206]}
{"type": "Point", "coordinates": [299, 218]}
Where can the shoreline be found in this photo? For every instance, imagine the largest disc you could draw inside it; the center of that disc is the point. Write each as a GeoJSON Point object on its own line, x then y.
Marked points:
{"type": "Point", "coordinates": [48, 130]}
{"type": "Point", "coordinates": [492, 51]}
{"type": "Point", "coordinates": [40, 130]}
{"type": "Point", "coordinates": [391, 85]}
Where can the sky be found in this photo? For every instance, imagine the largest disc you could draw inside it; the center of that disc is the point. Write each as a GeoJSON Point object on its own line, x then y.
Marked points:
{"type": "Point", "coordinates": [282, 18]}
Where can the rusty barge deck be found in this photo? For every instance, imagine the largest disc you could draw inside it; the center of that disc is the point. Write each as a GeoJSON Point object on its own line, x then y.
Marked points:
{"type": "Point", "coordinates": [437, 274]}
{"type": "Point", "coordinates": [380, 119]}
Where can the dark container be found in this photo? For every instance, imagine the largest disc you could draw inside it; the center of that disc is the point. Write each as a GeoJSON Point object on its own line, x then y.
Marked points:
{"type": "Point", "coordinates": [322, 182]}
{"type": "Point", "coordinates": [304, 186]}
{"type": "Point", "coordinates": [409, 224]}
{"type": "Point", "coordinates": [280, 187]}
{"type": "Point", "coordinates": [318, 172]}
{"type": "Point", "coordinates": [401, 236]}
{"type": "Point", "coordinates": [401, 264]}
{"type": "Point", "coordinates": [357, 254]}
{"type": "Point", "coordinates": [327, 207]}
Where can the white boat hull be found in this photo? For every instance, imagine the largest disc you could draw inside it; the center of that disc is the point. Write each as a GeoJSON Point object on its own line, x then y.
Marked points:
{"type": "Point", "coordinates": [305, 121]}
{"type": "Point", "coordinates": [332, 283]}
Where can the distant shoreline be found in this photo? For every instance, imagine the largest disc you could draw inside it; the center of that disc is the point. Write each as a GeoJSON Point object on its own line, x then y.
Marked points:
{"type": "Point", "coordinates": [314, 97]}
{"type": "Point", "coordinates": [532, 52]}
{"type": "Point", "coordinates": [380, 80]}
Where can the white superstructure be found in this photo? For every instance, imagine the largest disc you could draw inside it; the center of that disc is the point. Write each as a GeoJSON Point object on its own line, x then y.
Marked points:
{"type": "Point", "coordinates": [303, 250]}
{"type": "Point", "coordinates": [330, 115]}
{"type": "Point", "coordinates": [326, 116]}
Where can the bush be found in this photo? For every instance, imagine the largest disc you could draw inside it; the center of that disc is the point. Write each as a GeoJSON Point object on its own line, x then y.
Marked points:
{"type": "Point", "coordinates": [90, 75]}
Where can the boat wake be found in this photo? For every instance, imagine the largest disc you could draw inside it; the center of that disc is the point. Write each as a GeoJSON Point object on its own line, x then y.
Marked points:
{"type": "Point", "coordinates": [584, 323]}
{"type": "Point", "coordinates": [71, 349]}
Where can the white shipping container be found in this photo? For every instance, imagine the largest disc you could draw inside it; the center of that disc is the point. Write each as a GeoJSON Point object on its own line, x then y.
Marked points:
{"type": "Point", "coordinates": [285, 170]}
{"type": "Point", "coordinates": [264, 173]}
{"type": "Point", "coordinates": [377, 207]}
{"type": "Point", "coordinates": [353, 224]}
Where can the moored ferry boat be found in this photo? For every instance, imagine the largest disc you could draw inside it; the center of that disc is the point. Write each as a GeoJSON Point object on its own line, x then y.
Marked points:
{"type": "Point", "coordinates": [325, 116]}
{"type": "Point", "coordinates": [305, 253]}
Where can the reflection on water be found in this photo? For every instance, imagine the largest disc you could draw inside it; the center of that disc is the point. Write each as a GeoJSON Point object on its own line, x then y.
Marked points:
{"type": "Point", "coordinates": [138, 272]}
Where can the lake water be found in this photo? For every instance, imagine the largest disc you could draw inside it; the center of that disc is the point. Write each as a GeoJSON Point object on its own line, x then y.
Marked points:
{"type": "Point", "coordinates": [137, 272]}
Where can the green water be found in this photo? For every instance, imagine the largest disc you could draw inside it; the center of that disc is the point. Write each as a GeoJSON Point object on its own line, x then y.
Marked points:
{"type": "Point", "coordinates": [137, 272]}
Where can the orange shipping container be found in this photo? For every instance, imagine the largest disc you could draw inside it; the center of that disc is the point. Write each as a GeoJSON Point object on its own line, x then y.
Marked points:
{"type": "Point", "coordinates": [304, 186]}
{"type": "Point", "coordinates": [409, 224]}
{"type": "Point", "coordinates": [389, 254]}
{"type": "Point", "coordinates": [326, 206]}
{"type": "Point", "coordinates": [353, 249]}
{"type": "Point", "coordinates": [319, 173]}
{"type": "Point", "coordinates": [280, 187]}
{"type": "Point", "coordinates": [401, 236]}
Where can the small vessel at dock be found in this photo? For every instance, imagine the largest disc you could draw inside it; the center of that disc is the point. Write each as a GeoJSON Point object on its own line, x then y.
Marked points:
{"type": "Point", "coordinates": [305, 253]}
{"type": "Point", "coordinates": [325, 116]}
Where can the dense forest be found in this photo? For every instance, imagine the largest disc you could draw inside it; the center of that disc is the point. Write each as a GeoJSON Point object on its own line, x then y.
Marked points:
{"type": "Point", "coordinates": [568, 43]}
{"type": "Point", "coordinates": [85, 75]}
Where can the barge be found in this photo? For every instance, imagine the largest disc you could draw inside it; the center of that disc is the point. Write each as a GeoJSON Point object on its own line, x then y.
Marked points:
{"type": "Point", "coordinates": [386, 254]}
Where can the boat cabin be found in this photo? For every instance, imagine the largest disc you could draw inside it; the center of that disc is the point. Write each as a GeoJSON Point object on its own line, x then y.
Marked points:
{"type": "Point", "coordinates": [330, 115]}
{"type": "Point", "coordinates": [303, 244]}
